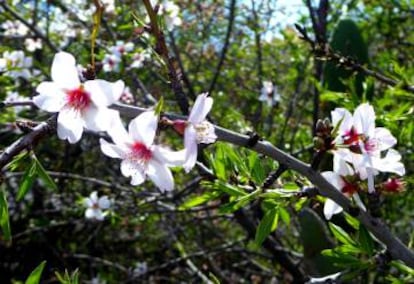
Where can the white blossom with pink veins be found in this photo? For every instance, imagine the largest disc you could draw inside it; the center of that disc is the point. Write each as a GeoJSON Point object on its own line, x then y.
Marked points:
{"type": "Point", "coordinates": [140, 157]}
{"type": "Point", "coordinates": [361, 143]}
{"type": "Point", "coordinates": [196, 129]}
{"type": "Point", "coordinates": [80, 105]}
{"type": "Point", "coordinates": [340, 178]}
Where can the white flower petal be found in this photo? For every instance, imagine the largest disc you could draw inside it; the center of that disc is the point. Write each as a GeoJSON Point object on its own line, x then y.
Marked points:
{"type": "Point", "coordinates": [364, 119]}
{"type": "Point", "coordinates": [143, 127]}
{"type": "Point", "coordinates": [64, 71]}
{"type": "Point", "coordinates": [138, 177]}
{"type": "Point", "coordinates": [358, 201]}
{"type": "Point", "coordinates": [201, 108]}
{"type": "Point", "coordinates": [130, 169]}
{"type": "Point", "coordinates": [390, 163]}
{"type": "Point", "coordinates": [334, 179]}
{"type": "Point", "coordinates": [99, 215]}
{"type": "Point", "coordinates": [112, 150]}
{"type": "Point", "coordinates": [168, 157]}
{"type": "Point", "coordinates": [117, 129]}
{"type": "Point", "coordinates": [97, 119]}
{"type": "Point", "coordinates": [90, 213]}
{"type": "Point", "coordinates": [70, 125]}
{"type": "Point", "coordinates": [160, 175]}
{"type": "Point", "coordinates": [331, 208]}
{"type": "Point", "coordinates": [104, 202]}
{"type": "Point", "coordinates": [344, 116]}
{"type": "Point", "coordinates": [385, 139]}
{"type": "Point", "coordinates": [88, 202]}
{"type": "Point", "coordinates": [104, 93]}
{"type": "Point", "coordinates": [94, 197]}
{"type": "Point", "coordinates": [51, 98]}
{"type": "Point", "coordinates": [190, 144]}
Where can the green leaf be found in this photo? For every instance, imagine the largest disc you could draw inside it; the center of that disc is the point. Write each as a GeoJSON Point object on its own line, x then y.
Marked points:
{"type": "Point", "coordinates": [229, 189]}
{"type": "Point", "coordinates": [159, 106]}
{"type": "Point", "coordinates": [43, 175]}
{"type": "Point", "coordinates": [198, 200]}
{"type": "Point", "coordinates": [267, 225]}
{"type": "Point", "coordinates": [352, 221]}
{"type": "Point", "coordinates": [238, 203]}
{"type": "Point", "coordinates": [4, 216]}
{"type": "Point", "coordinates": [34, 277]}
{"type": "Point", "coordinates": [366, 241]}
{"type": "Point", "coordinates": [402, 267]}
{"type": "Point", "coordinates": [27, 180]}
{"type": "Point", "coordinates": [284, 215]}
{"type": "Point", "coordinates": [341, 235]}
{"type": "Point", "coordinates": [17, 160]}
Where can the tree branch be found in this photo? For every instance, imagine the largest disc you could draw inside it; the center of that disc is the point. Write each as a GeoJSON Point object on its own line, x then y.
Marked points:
{"type": "Point", "coordinates": [396, 248]}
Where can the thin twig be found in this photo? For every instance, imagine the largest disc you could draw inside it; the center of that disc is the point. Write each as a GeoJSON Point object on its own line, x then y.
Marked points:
{"type": "Point", "coordinates": [162, 50]}
{"type": "Point", "coordinates": [225, 47]}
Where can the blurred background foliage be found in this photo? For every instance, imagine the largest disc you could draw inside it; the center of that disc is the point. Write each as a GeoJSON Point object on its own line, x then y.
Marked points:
{"type": "Point", "coordinates": [216, 225]}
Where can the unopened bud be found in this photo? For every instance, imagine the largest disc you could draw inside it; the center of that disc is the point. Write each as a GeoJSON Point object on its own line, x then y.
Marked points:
{"type": "Point", "coordinates": [393, 185]}
{"type": "Point", "coordinates": [318, 143]}
{"type": "Point", "coordinates": [180, 125]}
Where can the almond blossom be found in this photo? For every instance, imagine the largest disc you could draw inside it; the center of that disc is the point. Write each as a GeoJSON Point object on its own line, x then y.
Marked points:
{"type": "Point", "coordinates": [269, 94]}
{"type": "Point", "coordinates": [80, 105]}
{"type": "Point", "coordinates": [96, 206]}
{"type": "Point", "coordinates": [360, 143]}
{"type": "Point", "coordinates": [196, 129]}
{"type": "Point", "coordinates": [343, 179]}
{"type": "Point", "coordinates": [140, 157]}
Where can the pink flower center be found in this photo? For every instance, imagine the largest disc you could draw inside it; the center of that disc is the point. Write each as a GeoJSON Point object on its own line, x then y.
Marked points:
{"type": "Point", "coordinates": [140, 152]}
{"type": "Point", "coordinates": [351, 137]}
{"type": "Point", "coordinates": [78, 98]}
{"type": "Point", "coordinates": [370, 145]}
{"type": "Point", "coordinates": [349, 189]}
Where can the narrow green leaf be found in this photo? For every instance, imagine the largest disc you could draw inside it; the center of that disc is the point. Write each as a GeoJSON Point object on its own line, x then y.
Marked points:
{"type": "Point", "coordinates": [159, 106]}
{"type": "Point", "coordinates": [267, 225]}
{"type": "Point", "coordinates": [198, 200]}
{"type": "Point", "coordinates": [34, 277]}
{"type": "Point", "coordinates": [341, 235]}
{"type": "Point", "coordinates": [43, 175]}
{"type": "Point", "coordinates": [284, 215]}
{"type": "Point", "coordinates": [238, 203]}
{"type": "Point", "coordinates": [4, 216]}
{"type": "Point", "coordinates": [366, 241]}
{"type": "Point", "coordinates": [229, 189]}
{"type": "Point", "coordinates": [27, 180]}
{"type": "Point", "coordinates": [17, 160]}
{"type": "Point", "coordinates": [402, 267]}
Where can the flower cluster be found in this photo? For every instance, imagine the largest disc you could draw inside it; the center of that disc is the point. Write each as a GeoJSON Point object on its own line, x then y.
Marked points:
{"type": "Point", "coordinates": [112, 61]}
{"type": "Point", "coordinates": [15, 64]}
{"type": "Point", "coordinates": [361, 151]}
{"type": "Point", "coordinates": [84, 105]}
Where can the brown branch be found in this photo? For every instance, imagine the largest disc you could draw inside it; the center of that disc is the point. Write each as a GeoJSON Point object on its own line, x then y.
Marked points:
{"type": "Point", "coordinates": [162, 50]}
{"type": "Point", "coordinates": [323, 52]}
{"type": "Point", "coordinates": [396, 248]}
{"type": "Point", "coordinates": [27, 141]}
